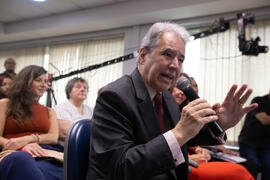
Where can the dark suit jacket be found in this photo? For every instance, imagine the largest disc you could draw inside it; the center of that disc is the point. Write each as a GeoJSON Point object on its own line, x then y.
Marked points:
{"type": "Point", "coordinates": [126, 140]}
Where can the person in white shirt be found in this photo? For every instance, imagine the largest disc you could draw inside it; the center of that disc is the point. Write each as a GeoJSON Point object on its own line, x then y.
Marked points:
{"type": "Point", "coordinates": [74, 109]}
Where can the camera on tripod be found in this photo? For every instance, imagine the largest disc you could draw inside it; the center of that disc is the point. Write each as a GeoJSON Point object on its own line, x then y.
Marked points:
{"type": "Point", "coordinates": [248, 47]}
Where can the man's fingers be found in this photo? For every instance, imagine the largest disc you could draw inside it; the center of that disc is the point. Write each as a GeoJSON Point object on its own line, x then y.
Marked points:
{"type": "Point", "coordinates": [239, 93]}
{"type": "Point", "coordinates": [208, 119]}
{"type": "Point", "coordinates": [216, 106]}
{"type": "Point", "coordinates": [244, 98]}
{"type": "Point", "coordinates": [231, 92]}
{"type": "Point", "coordinates": [198, 105]}
{"type": "Point", "coordinates": [250, 107]}
{"type": "Point", "coordinates": [205, 112]}
{"type": "Point", "coordinates": [196, 102]}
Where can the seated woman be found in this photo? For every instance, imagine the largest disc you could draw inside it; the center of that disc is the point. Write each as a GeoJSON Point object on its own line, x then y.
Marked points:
{"type": "Point", "coordinates": [4, 85]}
{"type": "Point", "coordinates": [73, 110]}
{"type": "Point", "coordinates": [28, 130]}
{"type": "Point", "coordinates": [209, 170]}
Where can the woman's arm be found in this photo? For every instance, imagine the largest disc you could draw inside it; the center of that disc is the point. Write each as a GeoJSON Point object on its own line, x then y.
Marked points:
{"type": "Point", "coordinates": [52, 136]}
{"type": "Point", "coordinates": [48, 138]}
{"type": "Point", "coordinates": [263, 118]}
{"type": "Point", "coordinates": [3, 110]}
{"type": "Point", "coordinates": [13, 143]}
{"type": "Point", "coordinates": [64, 126]}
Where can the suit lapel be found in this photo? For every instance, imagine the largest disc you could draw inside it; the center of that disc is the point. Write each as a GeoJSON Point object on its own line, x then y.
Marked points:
{"type": "Point", "coordinates": [146, 108]}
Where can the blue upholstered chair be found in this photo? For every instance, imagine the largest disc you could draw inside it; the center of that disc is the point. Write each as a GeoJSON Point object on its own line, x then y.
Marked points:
{"type": "Point", "coordinates": [76, 151]}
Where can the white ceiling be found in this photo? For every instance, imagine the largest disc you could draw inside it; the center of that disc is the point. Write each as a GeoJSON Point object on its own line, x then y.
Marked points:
{"type": "Point", "coordinates": [27, 20]}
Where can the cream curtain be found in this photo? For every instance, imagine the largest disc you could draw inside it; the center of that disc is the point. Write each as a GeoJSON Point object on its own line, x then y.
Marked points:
{"type": "Point", "coordinates": [23, 57]}
{"type": "Point", "coordinates": [220, 64]}
{"type": "Point", "coordinates": [74, 56]}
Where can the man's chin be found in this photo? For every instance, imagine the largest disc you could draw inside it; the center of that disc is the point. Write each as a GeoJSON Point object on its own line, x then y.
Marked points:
{"type": "Point", "coordinates": [164, 87]}
{"type": "Point", "coordinates": [10, 71]}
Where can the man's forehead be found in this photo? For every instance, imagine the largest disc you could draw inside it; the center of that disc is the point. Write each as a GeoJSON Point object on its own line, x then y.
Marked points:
{"type": "Point", "coordinates": [10, 60]}
{"type": "Point", "coordinates": [175, 51]}
{"type": "Point", "coordinates": [173, 41]}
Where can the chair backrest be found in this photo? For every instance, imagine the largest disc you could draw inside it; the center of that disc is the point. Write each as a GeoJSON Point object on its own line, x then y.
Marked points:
{"type": "Point", "coordinates": [76, 150]}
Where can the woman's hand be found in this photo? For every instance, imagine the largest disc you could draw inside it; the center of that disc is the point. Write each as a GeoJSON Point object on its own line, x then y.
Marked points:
{"type": "Point", "coordinates": [15, 143]}
{"type": "Point", "coordinates": [203, 151]}
{"type": "Point", "coordinates": [35, 150]}
{"type": "Point", "coordinates": [199, 158]}
{"type": "Point", "coordinates": [201, 155]}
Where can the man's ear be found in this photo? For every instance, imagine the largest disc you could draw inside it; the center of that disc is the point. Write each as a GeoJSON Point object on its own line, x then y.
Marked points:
{"type": "Point", "coordinates": [142, 54]}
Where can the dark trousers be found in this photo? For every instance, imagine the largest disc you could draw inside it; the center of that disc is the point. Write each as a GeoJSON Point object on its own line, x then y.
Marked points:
{"type": "Point", "coordinates": [261, 156]}
{"type": "Point", "coordinates": [21, 165]}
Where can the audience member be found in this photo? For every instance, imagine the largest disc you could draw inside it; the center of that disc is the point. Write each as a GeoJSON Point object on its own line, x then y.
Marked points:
{"type": "Point", "coordinates": [28, 130]}
{"type": "Point", "coordinates": [4, 85]}
{"type": "Point", "coordinates": [209, 170]}
{"type": "Point", "coordinates": [254, 139]}
{"type": "Point", "coordinates": [72, 110]}
{"type": "Point", "coordinates": [138, 132]}
{"type": "Point", "coordinates": [194, 85]}
{"type": "Point", "coordinates": [10, 66]}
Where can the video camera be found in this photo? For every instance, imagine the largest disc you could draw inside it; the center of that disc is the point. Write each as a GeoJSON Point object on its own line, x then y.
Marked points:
{"type": "Point", "coordinates": [248, 47]}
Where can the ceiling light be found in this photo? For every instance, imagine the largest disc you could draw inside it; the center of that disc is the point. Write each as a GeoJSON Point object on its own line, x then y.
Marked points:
{"type": "Point", "coordinates": [39, 0]}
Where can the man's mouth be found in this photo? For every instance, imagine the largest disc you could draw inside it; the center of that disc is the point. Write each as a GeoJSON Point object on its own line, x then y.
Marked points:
{"type": "Point", "coordinates": [168, 76]}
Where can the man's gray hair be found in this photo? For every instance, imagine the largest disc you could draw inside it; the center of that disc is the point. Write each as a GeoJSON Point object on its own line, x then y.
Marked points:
{"type": "Point", "coordinates": [156, 30]}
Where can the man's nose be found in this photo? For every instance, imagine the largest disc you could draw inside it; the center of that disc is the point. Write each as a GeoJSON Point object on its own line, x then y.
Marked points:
{"type": "Point", "coordinates": [175, 63]}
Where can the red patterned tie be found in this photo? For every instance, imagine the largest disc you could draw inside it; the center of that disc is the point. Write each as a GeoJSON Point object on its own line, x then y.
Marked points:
{"type": "Point", "coordinates": [159, 110]}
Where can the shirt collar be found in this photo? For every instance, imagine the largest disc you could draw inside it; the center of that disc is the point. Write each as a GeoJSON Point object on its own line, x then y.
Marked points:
{"type": "Point", "coordinates": [152, 92]}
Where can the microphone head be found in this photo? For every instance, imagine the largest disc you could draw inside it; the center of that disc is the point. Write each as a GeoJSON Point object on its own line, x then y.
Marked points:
{"type": "Point", "coordinates": [183, 83]}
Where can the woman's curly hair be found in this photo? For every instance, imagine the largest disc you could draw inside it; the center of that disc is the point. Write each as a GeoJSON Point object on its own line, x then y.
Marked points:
{"type": "Point", "coordinates": [21, 95]}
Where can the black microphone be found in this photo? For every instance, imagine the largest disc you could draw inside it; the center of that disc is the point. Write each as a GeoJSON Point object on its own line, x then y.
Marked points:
{"type": "Point", "coordinates": [184, 85]}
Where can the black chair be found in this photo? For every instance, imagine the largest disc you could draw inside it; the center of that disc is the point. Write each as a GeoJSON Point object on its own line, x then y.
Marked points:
{"type": "Point", "coordinates": [76, 151]}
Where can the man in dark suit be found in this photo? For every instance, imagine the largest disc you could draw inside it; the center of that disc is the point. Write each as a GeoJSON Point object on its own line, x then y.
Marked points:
{"type": "Point", "coordinates": [138, 132]}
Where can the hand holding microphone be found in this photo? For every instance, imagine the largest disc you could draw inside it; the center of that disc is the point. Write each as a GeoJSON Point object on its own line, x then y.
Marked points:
{"type": "Point", "coordinates": [229, 112]}
{"type": "Point", "coordinates": [184, 85]}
